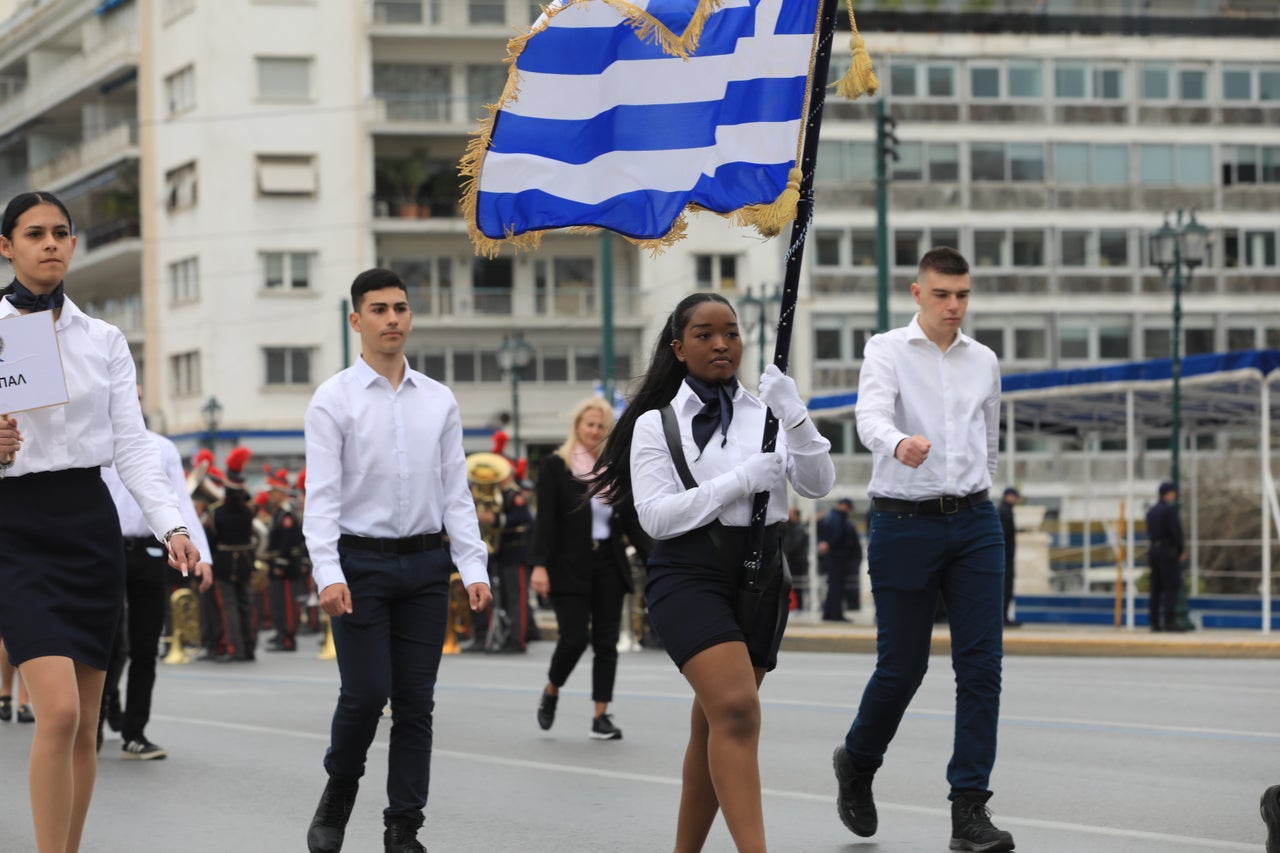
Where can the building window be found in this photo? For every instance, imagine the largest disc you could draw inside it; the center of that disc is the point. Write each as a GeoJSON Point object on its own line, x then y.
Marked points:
{"type": "Point", "coordinates": [1029, 344]}
{"type": "Point", "coordinates": [827, 345]}
{"type": "Point", "coordinates": [1259, 248]}
{"type": "Point", "coordinates": [180, 90]}
{"type": "Point", "coordinates": [1026, 161]}
{"type": "Point", "coordinates": [990, 337]}
{"type": "Point", "coordinates": [1024, 80]}
{"type": "Point", "coordinates": [484, 86]}
{"type": "Point", "coordinates": [288, 365]}
{"type": "Point", "coordinates": [1073, 343]}
{"type": "Point", "coordinates": [1237, 83]}
{"type": "Point", "coordinates": [1028, 248]}
{"type": "Point", "coordinates": [1193, 84]}
{"type": "Point", "coordinates": [1155, 165]}
{"type": "Point", "coordinates": [906, 248]}
{"type": "Point", "coordinates": [287, 270]}
{"type": "Point", "coordinates": [492, 280]}
{"type": "Point", "coordinates": [862, 245]}
{"type": "Point", "coordinates": [1073, 248]}
{"type": "Point", "coordinates": [846, 163]}
{"type": "Point", "coordinates": [986, 161]}
{"type": "Point", "coordinates": [1069, 80]}
{"type": "Point", "coordinates": [716, 272]}
{"type": "Point", "coordinates": [1113, 247]}
{"type": "Point", "coordinates": [1114, 342]}
{"type": "Point", "coordinates": [184, 374]}
{"type": "Point", "coordinates": [826, 249]}
{"type": "Point", "coordinates": [910, 163]}
{"type": "Point", "coordinates": [284, 78]}
{"type": "Point", "coordinates": [184, 281]}
{"type": "Point", "coordinates": [1250, 164]}
{"type": "Point", "coordinates": [902, 78]}
{"type": "Point", "coordinates": [988, 248]}
{"type": "Point", "coordinates": [174, 9]}
{"type": "Point", "coordinates": [984, 81]}
{"type": "Point", "coordinates": [1269, 84]}
{"type": "Point", "coordinates": [287, 174]}
{"type": "Point", "coordinates": [1154, 81]}
{"type": "Point", "coordinates": [413, 92]}
{"type": "Point", "coordinates": [944, 161]}
{"type": "Point", "coordinates": [941, 81]}
{"type": "Point", "coordinates": [565, 287]}
{"type": "Point", "coordinates": [487, 11]}
{"type": "Point", "coordinates": [180, 187]}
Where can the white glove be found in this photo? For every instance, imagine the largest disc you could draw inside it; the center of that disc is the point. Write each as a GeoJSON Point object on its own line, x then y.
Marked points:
{"type": "Point", "coordinates": [778, 392]}
{"type": "Point", "coordinates": [765, 472]}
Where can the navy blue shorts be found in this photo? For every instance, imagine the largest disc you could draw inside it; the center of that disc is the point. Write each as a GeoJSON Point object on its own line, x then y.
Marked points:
{"type": "Point", "coordinates": [692, 590]}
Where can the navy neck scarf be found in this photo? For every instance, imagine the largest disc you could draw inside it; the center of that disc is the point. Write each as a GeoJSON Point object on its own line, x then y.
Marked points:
{"type": "Point", "coordinates": [717, 409]}
{"type": "Point", "coordinates": [25, 300]}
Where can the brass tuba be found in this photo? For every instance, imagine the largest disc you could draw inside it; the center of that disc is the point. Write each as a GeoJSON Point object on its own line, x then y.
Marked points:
{"type": "Point", "coordinates": [184, 608]}
{"type": "Point", "coordinates": [486, 473]}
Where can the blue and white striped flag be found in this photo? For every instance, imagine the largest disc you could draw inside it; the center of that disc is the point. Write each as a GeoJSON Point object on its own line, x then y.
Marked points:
{"type": "Point", "coordinates": [621, 115]}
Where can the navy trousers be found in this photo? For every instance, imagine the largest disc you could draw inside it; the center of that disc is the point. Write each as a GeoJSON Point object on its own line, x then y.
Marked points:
{"type": "Point", "coordinates": [389, 647]}
{"type": "Point", "coordinates": [912, 557]}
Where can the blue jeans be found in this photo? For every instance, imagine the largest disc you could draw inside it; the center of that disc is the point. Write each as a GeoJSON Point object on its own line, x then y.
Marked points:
{"type": "Point", "coordinates": [389, 646]}
{"type": "Point", "coordinates": [912, 557]}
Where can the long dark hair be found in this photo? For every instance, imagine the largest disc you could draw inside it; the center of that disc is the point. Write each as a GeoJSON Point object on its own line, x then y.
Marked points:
{"type": "Point", "coordinates": [611, 475]}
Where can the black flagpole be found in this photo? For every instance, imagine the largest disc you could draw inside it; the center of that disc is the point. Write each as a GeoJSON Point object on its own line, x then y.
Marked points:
{"type": "Point", "coordinates": [751, 589]}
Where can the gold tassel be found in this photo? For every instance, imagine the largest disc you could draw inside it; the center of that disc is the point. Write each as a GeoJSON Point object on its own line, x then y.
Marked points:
{"type": "Point", "coordinates": [770, 219]}
{"type": "Point", "coordinates": [861, 78]}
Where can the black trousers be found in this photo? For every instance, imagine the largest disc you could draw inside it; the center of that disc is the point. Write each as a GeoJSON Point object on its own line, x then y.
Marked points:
{"type": "Point", "coordinates": [138, 639]}
{"type": "Point", "coordinates": [837, 569]}
{"type": "Point", "coordinates": [238, 634]}
{"type": "Point", "coordinates": [389, 647]}
{"type": "Point", "coordinates": [594, 619]}
{"type": "Point", "coordinates": [282, 592]}
{"type": "Point", "coordinates": [1166, 578]}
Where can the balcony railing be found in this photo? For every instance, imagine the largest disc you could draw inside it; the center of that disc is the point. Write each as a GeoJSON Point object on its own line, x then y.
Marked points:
{"type": "Point", "coordinates": [72, 76]}
{"type": "Point", "coordinates": [97, 236]}
{"type": "Point", "coordinates": [426, 207]}
{"type": "Point", "coordinates": [95, 153]}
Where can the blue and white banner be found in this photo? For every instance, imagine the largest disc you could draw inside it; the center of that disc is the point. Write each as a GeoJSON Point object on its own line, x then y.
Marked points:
{"type": "Point", "coordinates": [621, 115]}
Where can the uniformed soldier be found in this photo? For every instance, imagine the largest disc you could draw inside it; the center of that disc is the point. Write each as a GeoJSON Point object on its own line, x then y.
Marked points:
{"type": "Point", "coordinates": [234, 543]}
{"type": "Point", "coordinates": [283, 558]}
{"type": "Point", "coordinates": [507, 565]}
{"type": "Point", "coordinates": [1167, 551]}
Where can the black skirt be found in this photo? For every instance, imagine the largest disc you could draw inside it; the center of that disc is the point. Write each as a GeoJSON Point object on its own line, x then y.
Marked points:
{"type": "Point", "coordinates": [61, 566]}
{"type": "Point", "coordinates": [692, 589]}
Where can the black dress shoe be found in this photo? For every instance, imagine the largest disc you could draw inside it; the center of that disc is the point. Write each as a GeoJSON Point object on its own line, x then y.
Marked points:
{"type": "Point", "coordinates": [329, 824]}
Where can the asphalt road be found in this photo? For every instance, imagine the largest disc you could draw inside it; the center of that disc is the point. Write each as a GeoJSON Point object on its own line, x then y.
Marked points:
{"type": "Point", "coordinates": [1116, 755]}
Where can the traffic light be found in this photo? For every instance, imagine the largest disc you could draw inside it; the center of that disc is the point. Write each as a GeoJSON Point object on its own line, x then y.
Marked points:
{"type": "Point", "coordinates": [886, 138]}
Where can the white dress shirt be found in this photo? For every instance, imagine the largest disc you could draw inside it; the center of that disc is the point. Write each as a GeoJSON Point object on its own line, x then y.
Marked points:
{"type": "Point", "coordinates": [101, 423]}
{"type": "Point", "coordinates": [133, 524]}
{"type": "Point", "coordinates": [666, 509]}
{"type": "Point", "coordinates": [387, 463]}
{"type": "Point", "coordinates": [908, 387]}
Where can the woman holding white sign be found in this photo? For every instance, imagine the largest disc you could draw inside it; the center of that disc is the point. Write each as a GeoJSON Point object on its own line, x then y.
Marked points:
{"type": "Point", "coordinates": [62, 576]}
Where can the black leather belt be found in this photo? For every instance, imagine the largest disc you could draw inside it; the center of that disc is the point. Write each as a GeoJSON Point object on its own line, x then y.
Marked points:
{"type": "Point", "coordinates": [408, 545]}
{"type": "Point", "coordinates": [942, 505]}
{"type": "Point", "coordinates": [597, 544]}
{"type": "Point", "coordinates": [137, 543]}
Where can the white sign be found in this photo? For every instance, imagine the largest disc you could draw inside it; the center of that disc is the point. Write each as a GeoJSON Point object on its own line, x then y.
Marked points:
{"type": "Point", "coordinates": [30, 364]}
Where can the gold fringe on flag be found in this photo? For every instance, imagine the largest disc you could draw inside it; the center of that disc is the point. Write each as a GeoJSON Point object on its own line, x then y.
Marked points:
{"type": "Point", "coordinates": [861, 77]}
{"type": "Point", "coordinates": [769, 219]}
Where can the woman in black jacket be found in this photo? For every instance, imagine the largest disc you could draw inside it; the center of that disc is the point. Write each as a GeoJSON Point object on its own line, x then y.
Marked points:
{"type": "Point", "coordinates": [579, 559]}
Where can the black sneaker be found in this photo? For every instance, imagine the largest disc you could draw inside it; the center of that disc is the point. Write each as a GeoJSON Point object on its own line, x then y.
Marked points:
{"type": "Point", "coordinates": [971, 827]}
{"type": "Point", "coordinates": [854, 803]}
{"type": "Point", "coordinates": [25, 714]}
{"type": "Point", "coordinates": [6, 708]}
{"type": "Point", "coordinates": [402, 838]}
{"type": "Point", "coordinates": [1270, 808]}
{"type": "Point", "coordinates": [141, 749]}
{"type": "Point", "coordinates": [602, 728]}
{"type": "Point", "coordinates": [330, 822]}
{"type": "Point", "coordinates": [547, 710]}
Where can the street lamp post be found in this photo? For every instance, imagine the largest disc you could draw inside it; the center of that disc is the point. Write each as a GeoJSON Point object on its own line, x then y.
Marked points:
{"type": "Point", "coordinates": [211, 410]}
{"type": "Point", "coordinates": [762, 312]}
{"type": "Point", "coordinates": [1173, 247]}
{"type": "Point", "coordinates": [514, 355]}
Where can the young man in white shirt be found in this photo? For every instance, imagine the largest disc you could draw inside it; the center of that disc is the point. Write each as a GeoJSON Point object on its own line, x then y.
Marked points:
{"type": "Point", "coordinates": [386, 476]}
{"type": "Point", "coordinates": [929, 409]}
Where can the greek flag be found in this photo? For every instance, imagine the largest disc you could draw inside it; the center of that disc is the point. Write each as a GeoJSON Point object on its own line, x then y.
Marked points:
{"type": "Point", "coordinates": [621, 115]}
